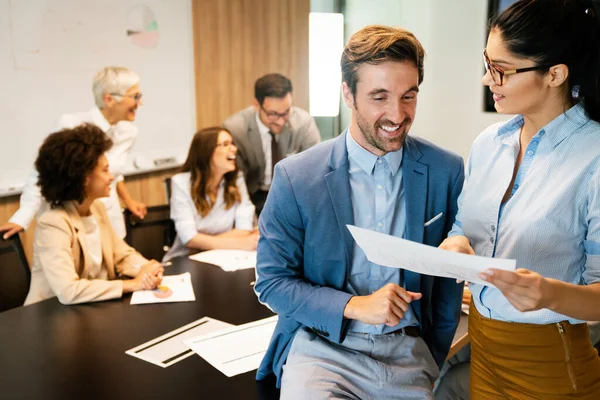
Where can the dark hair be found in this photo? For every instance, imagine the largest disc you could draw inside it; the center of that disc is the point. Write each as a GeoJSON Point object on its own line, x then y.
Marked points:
{"type": "Point", "coordinates": [554, 32]}
{"type": "Point", "coordinates": [66, 159]}
{"type": "Point", "coordinates": [198, 164]}
{"type": "Point", "coordinates": [271, 85]}
{"type": "Point", "coordinates": [375, 44]}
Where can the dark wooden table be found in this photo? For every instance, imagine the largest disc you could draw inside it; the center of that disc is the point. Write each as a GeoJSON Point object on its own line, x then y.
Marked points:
{"type": "Point", "coordinates": [51, 351]}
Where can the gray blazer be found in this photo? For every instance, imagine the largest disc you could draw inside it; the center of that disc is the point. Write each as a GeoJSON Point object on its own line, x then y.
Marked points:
{"type": "Point", "coordinates": [299, 134]}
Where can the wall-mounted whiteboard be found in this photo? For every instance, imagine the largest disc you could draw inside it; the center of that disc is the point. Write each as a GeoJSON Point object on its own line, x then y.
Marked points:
{"type": "Point", "coordinates": [51, 49]}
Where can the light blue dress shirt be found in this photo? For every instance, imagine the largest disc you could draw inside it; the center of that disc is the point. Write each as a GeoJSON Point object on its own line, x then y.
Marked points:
{"type": "Point", "coordinates": [378, 203]}
{"type": "Point", "coordinates": [551, 222]}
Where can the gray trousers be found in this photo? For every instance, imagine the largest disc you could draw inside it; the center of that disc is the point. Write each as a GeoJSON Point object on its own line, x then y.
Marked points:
{"type": "Point", "coordinates": [364, 366]}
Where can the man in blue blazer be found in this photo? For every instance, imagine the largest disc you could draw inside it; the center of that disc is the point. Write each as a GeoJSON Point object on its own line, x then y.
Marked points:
{"type": "Point", "coordinates": [349, 328]}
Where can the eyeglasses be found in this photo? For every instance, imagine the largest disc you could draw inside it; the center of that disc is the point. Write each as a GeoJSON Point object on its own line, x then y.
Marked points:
{"type": "Point", "coordinates": [136, 97]}
{"type": "Point", "coordinates": [274, 116]}
{"type": "Point", "coordinates": [226, 143]}
{"type": "Point", "coordinates": [498, 73]}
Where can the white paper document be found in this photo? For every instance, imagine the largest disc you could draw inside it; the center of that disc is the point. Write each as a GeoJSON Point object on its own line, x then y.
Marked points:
{"type": "Point", "coordinates": [235, 350]}
{"type": "Point", "coordinates": [228, 260]}
{"type": "Point", "coordinates": [395, 252]}
{"type": "Point", "coordinates": [173, 288]}
{"type": "Point", "coordinates": [169, 348]}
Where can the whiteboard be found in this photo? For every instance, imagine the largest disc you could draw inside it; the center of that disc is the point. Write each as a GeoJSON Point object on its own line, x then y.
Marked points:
{"type": "Point", "coordinates": [51, 49]}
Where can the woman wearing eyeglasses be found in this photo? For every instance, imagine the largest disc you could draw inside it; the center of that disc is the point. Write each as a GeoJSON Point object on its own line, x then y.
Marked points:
{"type": "Point", "coordinates": [117, 96]}
{"type": "Point", "coordinates": [209, 201]}
{"type": "Point", "coordinates": [532, 193]}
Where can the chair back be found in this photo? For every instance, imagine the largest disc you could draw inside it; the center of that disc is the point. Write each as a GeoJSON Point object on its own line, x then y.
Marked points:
{"type": "Point", "coordinates": [152, 236]}
{"type": "Point", "coordinates": [15, 275]}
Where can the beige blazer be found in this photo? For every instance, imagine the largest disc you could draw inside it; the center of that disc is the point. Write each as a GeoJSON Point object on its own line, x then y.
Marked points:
{"type": "Point", "coordinates": [61, 260]}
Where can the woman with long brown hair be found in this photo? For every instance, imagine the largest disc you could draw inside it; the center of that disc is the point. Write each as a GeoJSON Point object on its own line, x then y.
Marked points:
{"type": "Point", "coordinates": [209, 200]}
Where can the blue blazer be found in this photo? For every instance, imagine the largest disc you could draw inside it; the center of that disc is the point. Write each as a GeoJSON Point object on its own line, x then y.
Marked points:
{"type": "Point", "coordinates": [305, 249]}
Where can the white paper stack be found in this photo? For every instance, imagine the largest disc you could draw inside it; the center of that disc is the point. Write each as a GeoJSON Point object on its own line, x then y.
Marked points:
{"type": "Point", "coordinates": [235, 350]}
{"type": "Point", "coordinates": [228, 260]}
{"type": "Point", "coordinates": [169, 348]}
{"type": "Point", "coordinates": [173, 288]}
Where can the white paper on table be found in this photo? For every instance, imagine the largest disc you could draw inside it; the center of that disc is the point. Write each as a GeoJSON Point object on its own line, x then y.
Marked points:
{"type": "Point", "coordinates": [395, 252]}
{"type": "Point", "coordinates": [173, 288]}
{"type": "Point", "coordinates": [169, 348]}
{"type": "Point", "coordinates": [228, 260]}
{"type": "Point", "coordinates": [235, 350]}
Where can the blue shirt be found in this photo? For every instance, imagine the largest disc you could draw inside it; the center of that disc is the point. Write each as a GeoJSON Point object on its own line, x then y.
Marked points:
{"type": "Point", "coordinates": [551, 222]}
{"type": "Point", "coordinates": [378, 203]}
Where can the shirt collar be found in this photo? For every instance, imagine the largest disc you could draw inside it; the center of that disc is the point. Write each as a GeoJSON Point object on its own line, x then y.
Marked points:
{"type": "Point", "coordinates": [366, 160]}
{"type": "Point", "coordinates": [262, 128]}
{"type": "Point", "coordinates": [556, 130]}
{"type": "Point", "coordinates": [99, 120]}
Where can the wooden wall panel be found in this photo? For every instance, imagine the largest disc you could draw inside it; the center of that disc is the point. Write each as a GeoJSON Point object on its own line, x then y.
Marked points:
{"type": "Point", "coordinates": [235, 42]}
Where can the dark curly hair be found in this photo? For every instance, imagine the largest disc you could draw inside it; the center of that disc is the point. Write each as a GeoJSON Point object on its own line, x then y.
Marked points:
{"type": "Point", "coordinates": [66, 159]}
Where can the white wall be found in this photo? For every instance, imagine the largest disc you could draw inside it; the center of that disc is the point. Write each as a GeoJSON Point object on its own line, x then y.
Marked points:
{"type": "Point", "coordinates": [452, 32]}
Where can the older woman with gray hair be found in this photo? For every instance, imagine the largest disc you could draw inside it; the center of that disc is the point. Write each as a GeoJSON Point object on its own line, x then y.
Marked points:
{"type": "Point", "coordinates": [117, 96]}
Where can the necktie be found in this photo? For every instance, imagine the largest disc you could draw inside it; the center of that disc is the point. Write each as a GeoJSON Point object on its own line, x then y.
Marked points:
{"type": "Point", "coordinates": [275, 157]}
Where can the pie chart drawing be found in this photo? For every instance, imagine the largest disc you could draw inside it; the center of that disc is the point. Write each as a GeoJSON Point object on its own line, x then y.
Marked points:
{"type": "Point", "coordinates": [162, 292]}
{"type": "Point", "coordinates": [143, 28]}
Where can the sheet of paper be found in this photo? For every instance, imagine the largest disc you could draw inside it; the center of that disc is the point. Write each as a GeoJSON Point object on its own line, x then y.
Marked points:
{"type": "Point", "coordinates": [169, 348]}
{"type": "Point", "coordinates": [228, 260]}
{"type": "Point", "coordinates": [395, 252]}
{"type": "Point", "coordinates": [173, 288]}
{"type": "Point", "coordinates": [235, 350]}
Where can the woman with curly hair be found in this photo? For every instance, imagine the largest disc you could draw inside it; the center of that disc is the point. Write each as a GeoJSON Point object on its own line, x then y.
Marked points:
{"type": "Point", "coordinates": [77, 255]}
{"type": "Point", "coordinates": [209, 200]}
{"type": "Point", "coordinates": [117, 96]}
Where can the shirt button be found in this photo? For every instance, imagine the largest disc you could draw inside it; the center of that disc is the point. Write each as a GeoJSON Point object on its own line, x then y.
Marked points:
{"type": "Point", "coordinates": [380, 224]}
{"type": "Point", "coordinates": [529, 152]}
{"type": "Point", "coordinates": [493, 228]}
{"type": "Point", "coordinates": [379, 187]}
{"type": "Point", "coordinates": [491, 239]}
{"type": "Point", "coordinates": [542, 133]}
{"type": "Point", "coordinates": [379, 160]}
{"type": "Point", "coordinates": [516, 186]}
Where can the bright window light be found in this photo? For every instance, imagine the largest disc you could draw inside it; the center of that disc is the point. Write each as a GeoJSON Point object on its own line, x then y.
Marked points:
{"type": "Point", "coordinates": [326, 42]}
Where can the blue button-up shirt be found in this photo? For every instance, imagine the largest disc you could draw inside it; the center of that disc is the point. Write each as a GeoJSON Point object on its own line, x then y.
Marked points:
{"type": "Point", "coordinates": [551, 222]}
{"type": "Point", "coordinates": [378, 204]}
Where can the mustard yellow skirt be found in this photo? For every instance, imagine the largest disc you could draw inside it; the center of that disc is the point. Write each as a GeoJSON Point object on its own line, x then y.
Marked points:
{"type": "Point", "coordinates": [527, 361]}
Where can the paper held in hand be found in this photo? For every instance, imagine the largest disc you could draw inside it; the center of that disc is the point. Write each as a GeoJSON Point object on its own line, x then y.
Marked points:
{"type": "Point", "coordinates": [395, 252]}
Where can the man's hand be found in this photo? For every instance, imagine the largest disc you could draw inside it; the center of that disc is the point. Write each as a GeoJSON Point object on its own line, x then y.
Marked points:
{"type": "Point", "coordinates": [385, 306]}
{"type": "Point", "coordinates": [137, 208]}
{"type": "Point", "coordinates": [10, 229]}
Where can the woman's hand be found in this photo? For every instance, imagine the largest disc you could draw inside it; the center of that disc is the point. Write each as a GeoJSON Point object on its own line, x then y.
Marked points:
{"type": "Point", "coordinates": [250, 241]}
{"type": "Point", "coordinates": [457, 244]}
{"type": "Point", "coordinates": [149, 277]}
{"type": "Point", "coordinates": [526, 290]}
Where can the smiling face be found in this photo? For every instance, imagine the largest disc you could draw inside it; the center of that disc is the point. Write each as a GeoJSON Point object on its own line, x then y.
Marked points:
{"type": "Point", "coordinates": [275, 112]}
{"type": "Point", "coordinates": [97, 183]}
{"type": "Point", "coordinates": [384, 107]}
{"type": "Point", "coordinates": [223, 157]}
{"type": "Point", "coordinates": [122, 107]}
{"type": "Point", "coordinates": [523, 93]}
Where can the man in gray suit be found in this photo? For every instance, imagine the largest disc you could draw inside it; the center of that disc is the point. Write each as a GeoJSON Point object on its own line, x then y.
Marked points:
{"type": "Point", "coordinates": [268, 131]}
